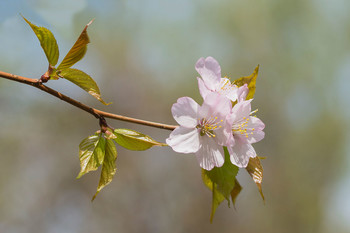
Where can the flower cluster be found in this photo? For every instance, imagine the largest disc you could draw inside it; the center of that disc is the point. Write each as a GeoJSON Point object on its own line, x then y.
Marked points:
{"type": "Point", "coordinates": [217, 123]}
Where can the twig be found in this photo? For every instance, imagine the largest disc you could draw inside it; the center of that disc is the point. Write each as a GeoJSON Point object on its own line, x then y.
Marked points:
{"type": "Point", "coordinates": [95, 112]}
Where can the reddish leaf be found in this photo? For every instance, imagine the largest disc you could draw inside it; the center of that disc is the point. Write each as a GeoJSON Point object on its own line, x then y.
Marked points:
{"type": "Point", "coordinates": [255, 170]}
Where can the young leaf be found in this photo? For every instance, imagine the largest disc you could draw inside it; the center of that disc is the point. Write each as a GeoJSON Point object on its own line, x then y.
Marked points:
{"type": "Point", "coordinates": [255, 170]}
{"type": "Point", "coordinates": [108, 167]}
{"type": "Point", "coordinates": [78, 50]}
{"type": "Point", "coordinates": [84, 81]}
{"type": "Point", "coordinates": [133, 140]}
{"type": "Point", "coordinates": [217, 197]}
{"type": "Point", "coordinates": [221, 180]}
{"type": "Point", "coordinates": [47, 42]}
{"type": "Point", "coordinates": [91, 153]}
{"type": "Point", "coordinates": [235, 191]}
{"type": "Point", "coordinates": [250, 81]}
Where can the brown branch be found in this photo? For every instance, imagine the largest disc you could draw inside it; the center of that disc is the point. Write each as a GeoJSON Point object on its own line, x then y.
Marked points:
{"type": "Point", "coordinates": [95, 112]}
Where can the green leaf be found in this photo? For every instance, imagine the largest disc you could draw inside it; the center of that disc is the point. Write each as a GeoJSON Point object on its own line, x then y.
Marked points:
{"type": "Point", "coordinates": [108, 167]}
{"type": "Point", "coordinates": [221, 180]}
{"type": "Point", "coordinates": [235, 191]}
{"type": "Point", "coordinates": [91, 153]}
{"type": "Point", "coordinates": [133, 140]}
{"type": "Point", "coordinates": [78, 50]}
{"type": "Point", "coordinates": [217, 197]}
{"type": "Point", "coordinates": [250, 81]}
{"type": "Point", "coordinates": [47, 42]}
{"type": "Point", "coordinates": [255, 170]}
{"type": "Point", "coordinates": [84, 81]}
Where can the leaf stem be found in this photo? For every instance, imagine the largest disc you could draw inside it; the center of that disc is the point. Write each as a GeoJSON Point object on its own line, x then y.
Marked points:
{"type": "Point", "coordinates": [95, 112]}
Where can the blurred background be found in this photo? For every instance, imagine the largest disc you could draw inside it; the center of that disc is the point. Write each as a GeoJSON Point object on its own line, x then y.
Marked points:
{"type": "Point", "coordinates": [142, 55]}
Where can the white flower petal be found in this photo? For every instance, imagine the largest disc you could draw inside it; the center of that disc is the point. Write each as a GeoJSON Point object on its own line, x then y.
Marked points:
{"type": "Point", "coordinates": [254, 130]}
{"type": "Point", "coordinates": [256, 123]}
{"type": "Point", "coordinates": [224, 136]}
{"type": "Point", "coordinates": [240, 110]}
{"type": "Point", "coordinates": [215, 105]}
{"type": "Point", "coordinates": [240, 154]}
{"type": "Point", "coordinates": [256, 137]}
{"type": "Point", "coordinates": [242, 93]}
{"type": "Point", "coordinates": [203, 89]}
{"type": "Point", "coordinates": [210, 71]}
{"type": "Point", "coordinates": [210, 154]}
{"type": "Point", "coordinates": [240, 137]}
{"type": "Point", "coordinates": [227, 89]}
{"type": "Point", "coordinates": [185, 112]}
{"type": "Point", "coordinates": [184, 140]}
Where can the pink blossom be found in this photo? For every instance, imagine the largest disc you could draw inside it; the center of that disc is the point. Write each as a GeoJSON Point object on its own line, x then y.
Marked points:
{"type": "Point", "coordinates": [246, 129]}
{"type": "Point", "coordinates": [211, 81]}
{"type": "Point", "coordinates": [203, 129]}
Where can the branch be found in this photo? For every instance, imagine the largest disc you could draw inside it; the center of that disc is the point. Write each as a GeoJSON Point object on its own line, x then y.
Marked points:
{"type": "Point", "coordinates": [95, 112]}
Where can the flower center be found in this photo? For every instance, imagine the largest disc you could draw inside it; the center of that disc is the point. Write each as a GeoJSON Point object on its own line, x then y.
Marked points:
{"type": "Point", "coordinates": [241, 127]}
{"type": "Point", "coordinates": [208, 126]}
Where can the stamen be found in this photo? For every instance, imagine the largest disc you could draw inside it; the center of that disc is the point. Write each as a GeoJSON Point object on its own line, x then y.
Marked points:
{"type": "Point", "coordinates": [208, 126]}
{"type": "Point", "coordinates": [240, 127]}
{"type": "Point", "coordinates": [254, 111]}
{"type": "Point", "coordinates": [226, 86]}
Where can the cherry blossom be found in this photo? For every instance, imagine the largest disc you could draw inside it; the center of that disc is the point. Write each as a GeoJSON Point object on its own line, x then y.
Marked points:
{"type": "Point", "coordinates": [202, 130]}
{"type": "Point", "coordinates": [211, 81]}
{"type": "Point", "coordinates": [246, 129]}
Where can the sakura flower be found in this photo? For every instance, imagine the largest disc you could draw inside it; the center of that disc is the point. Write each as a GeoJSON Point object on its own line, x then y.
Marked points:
{"type": "Point", "coordinates": [203, 129]}
{"type": "Point", "coordinates": [211, 81]}
{"type": "Point", "coordinates": [246, 129]}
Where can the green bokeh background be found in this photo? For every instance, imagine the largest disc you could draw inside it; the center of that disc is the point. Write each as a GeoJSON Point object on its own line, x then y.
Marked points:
{"type": "Point", "coordinates": [142, 55]}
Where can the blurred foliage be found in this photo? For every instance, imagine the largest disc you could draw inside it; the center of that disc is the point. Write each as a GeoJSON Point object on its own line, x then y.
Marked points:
{"type": "Point", "coordinates": [147, 65]}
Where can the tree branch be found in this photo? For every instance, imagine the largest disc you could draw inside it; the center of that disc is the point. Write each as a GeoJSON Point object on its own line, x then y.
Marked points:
{"type": "Point", "coordinates": [95, 112]}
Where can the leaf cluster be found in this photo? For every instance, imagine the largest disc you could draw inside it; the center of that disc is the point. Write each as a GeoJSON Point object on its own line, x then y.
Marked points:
{"type": "Point", "coordinates": [99, 150]}
{"type": "Point", "coordinates": [64, 70]}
